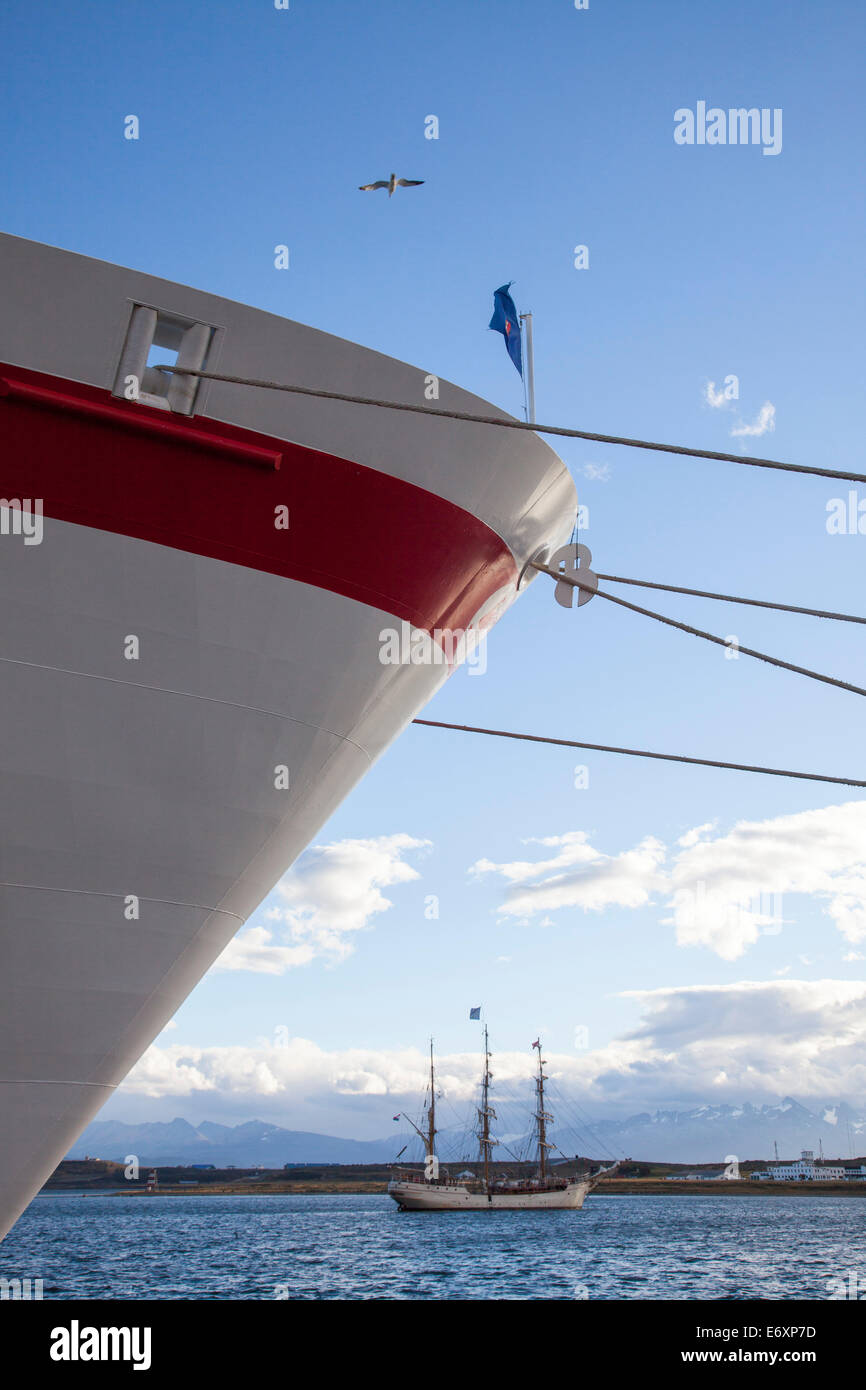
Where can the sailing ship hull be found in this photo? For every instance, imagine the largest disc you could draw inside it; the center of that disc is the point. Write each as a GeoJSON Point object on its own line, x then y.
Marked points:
{"type": "Point", "coordinates": [412, 1196]}
{"type": "Point", "coordinates": [191, 661]}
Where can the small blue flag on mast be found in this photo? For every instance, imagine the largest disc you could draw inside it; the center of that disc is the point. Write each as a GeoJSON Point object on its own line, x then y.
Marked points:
{"type": "Point", "coordinates": [475, 1013]}
{"type": "Point", "coordinates": [506, 322]}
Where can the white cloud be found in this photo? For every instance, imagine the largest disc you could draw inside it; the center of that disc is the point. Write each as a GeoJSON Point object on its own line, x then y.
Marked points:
{"type": "Point", "coordinates": [764, 424]}
{"type": "Point", "coordinates": [768, 1038]}
{"type": "Point", "coordinates": [298, 1068]}
{"type": "Point", "coordinates": [717, 399]}
{"type": "Point", "coordinates": [169, 1071]}
{"type": "Point", "coordinates": [752, 1040]}
{"type": "Point", "coordinates": [255, 949]}
{"type": "Point", "coordinates": [598, 472]}
{"type": "Point", "coordinates": [579, 876]}
{"type": "Point", "coordinates": [331, 893]}
{"type": "Point", "coordinates": [854, 955]}
{"type": "Point", "coordinates": [573, 849]}
{"type": "Point", "coordinates": [723, 891]}
{"type": "Point", "coordinates": [691, 837]}
{"type": "Point", "coordinates": [726, 889]}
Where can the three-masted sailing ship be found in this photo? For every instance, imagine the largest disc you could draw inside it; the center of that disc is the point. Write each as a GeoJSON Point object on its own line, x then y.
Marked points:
{"type": "Point", "coordinates": [435, 1190]}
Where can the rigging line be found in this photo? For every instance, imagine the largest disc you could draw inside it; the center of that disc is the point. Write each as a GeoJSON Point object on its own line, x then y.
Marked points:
{"type": "Point", "coordinates": [698, 632]}
{"type": "Point", "coordinates": [460, 1131]}
{"type": "Point", "coordinates": [509, 424]}
{"type": "Point", "coordinates": [566, 1123]}
{"type": "Point", "coordinates": [595, 1138]}
{"type": "Point", "coordinates": [516, 1157]}
{"type": "Point", "coordinates": [560, 1099]}
{"type": "Point", "coordinates": [638, 752]}
{"type": "Point", "coordinates": [731, 598]}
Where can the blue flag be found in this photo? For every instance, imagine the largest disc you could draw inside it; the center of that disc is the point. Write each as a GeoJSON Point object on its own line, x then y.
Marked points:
{"type": "Point", "coordinates": [506, 322]}
{"type": "Point", "coordinates": [475, 1013]}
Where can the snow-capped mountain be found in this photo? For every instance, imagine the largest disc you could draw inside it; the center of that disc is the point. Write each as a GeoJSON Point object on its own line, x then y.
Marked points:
{"type": "Point", "coordinates": [704, 1134]}
{"type": "Point", "coordinates": [708, 1133]}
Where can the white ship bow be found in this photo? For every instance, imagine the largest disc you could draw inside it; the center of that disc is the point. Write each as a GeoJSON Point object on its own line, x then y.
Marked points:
{"type": "Point", "coordinates": [169, 645]}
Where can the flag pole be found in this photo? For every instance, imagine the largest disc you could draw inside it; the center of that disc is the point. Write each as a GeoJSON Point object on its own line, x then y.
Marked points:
{"type": "Point", "coordinates": [526, 320]}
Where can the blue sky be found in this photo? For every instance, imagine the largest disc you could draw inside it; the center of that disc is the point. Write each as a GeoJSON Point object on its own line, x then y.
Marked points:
{"type": "Point", "coordinates": [555, 129]}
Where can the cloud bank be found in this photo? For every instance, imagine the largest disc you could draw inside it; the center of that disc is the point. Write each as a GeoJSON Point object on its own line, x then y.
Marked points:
{"type": "Point", "coordinates": [726, 1043]}
{"type": "Point", "coordinates": [721, 891]}
{"type": "Point", "coordinates": [332, 893]}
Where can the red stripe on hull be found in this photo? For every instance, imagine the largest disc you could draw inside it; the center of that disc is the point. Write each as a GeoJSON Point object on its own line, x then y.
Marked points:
{"type": "Point", "coordinates": [141, 472]}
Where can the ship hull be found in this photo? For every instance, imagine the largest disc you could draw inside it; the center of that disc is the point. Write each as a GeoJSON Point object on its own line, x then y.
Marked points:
{"type": "Point", "coordinates": [191, 672]}
{"type": "Point", "coordinates": [411, 1196]}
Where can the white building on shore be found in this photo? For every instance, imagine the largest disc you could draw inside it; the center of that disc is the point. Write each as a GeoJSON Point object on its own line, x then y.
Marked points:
{"type": "Point", "coordinates": [807, 1169]}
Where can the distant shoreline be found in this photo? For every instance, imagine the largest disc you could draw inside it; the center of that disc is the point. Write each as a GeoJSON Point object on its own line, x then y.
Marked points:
{"type": "Point", "coordinates": [83, 1177]}
{"type": "Point", "coordinates": [624, 1187]}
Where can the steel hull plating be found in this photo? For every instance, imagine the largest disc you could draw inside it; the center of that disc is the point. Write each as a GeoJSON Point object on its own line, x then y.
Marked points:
{"type": "Point", "coordinates": [142, 818]}
{"type": "Point", "coordinates": [413, 1196]}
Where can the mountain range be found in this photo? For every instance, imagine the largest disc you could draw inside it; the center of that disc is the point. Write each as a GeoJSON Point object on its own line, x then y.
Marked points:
{"type": "Point", "coordinates": [704, 1134]}
{"type": "Point", "coordinates": [245, 1145]}
{"type": "Point", "coordinates": [709, 1133]}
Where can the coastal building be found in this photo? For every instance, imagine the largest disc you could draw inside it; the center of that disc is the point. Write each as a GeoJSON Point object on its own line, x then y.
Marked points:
{"type": "Point", "coordinates": [807, 1169]}
{"type": "Point", "coordinates": [804, 1169]}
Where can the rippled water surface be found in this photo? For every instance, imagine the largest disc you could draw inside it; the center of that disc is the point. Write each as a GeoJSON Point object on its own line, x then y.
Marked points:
{"type": "Point", "coordinates": [362, 1247]}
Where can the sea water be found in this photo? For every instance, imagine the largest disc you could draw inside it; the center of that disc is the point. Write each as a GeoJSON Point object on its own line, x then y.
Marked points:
{"type": "Point", "coordinates": [362, 1247]}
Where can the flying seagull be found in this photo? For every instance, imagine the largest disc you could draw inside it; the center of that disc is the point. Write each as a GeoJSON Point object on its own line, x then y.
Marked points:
{"type": "Point", "coordinates": [390, 184]}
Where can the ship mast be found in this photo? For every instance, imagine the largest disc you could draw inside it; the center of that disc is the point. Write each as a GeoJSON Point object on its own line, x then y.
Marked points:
{"type": "Point", "coordinates": [542, 1117]}
{"type": "Point", "coordinates": [431, 1167]}
{"type": "Point", "coordinates": [431, 1113]}
{"type": "Point", "coordinates": [486, 1114]}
